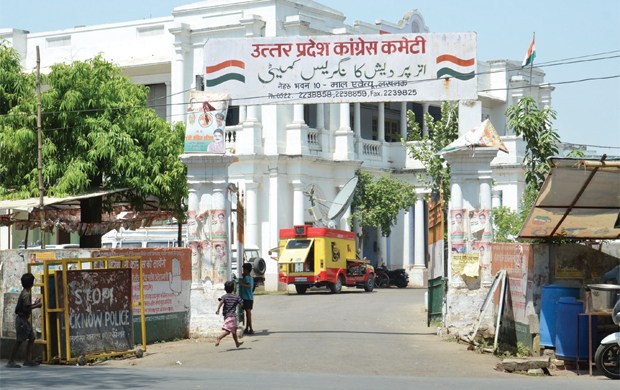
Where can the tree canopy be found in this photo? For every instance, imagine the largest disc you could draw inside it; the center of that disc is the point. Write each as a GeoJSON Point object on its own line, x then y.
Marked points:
{"type": "Point", "coordinates": [378, 201]}
{"type": "Point", "coordinates": [98, 133]}
{"type": "Point", "coordinates": [440, 133]}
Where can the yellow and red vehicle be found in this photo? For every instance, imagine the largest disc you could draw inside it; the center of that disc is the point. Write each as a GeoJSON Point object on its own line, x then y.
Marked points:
{"type": "Point", "coordinates": [320, 256]}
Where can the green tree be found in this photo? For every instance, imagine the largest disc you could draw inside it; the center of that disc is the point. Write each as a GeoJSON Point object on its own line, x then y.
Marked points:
{"type": "Point", "coordinates": [97, 134]}
{"type": "Point", "coordinates": [541, 142]}
{"type": "Point", "coordinates": [441, 133]}
{"type": "Point", "coordinates": [378, 201]}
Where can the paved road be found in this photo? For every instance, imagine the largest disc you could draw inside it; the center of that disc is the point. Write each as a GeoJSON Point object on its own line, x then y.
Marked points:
{"type": "Point", "coordinates": [318, 340]}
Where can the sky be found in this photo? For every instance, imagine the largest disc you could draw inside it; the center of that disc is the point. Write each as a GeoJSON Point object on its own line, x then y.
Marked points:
{"type": "Point", "coordinates": [581, 38]}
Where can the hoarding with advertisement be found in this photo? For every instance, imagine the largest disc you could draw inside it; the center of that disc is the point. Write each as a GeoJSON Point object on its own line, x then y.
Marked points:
{"type": "Point", "coordinates": [342, 68]}
{"type": "Point", "coordinates": [206, 123]}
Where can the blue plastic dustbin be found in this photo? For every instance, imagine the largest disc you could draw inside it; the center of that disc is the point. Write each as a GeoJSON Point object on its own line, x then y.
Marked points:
{"type": "Point", "coordinates": [549, 300]}
{"type": "Point", "coordinates": [566, 339]}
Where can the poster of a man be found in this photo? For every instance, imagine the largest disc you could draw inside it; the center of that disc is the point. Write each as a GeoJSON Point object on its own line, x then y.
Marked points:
{"type": "Point", "coordinates": [219, 222]}
{"type": "Point", "coordinates": [458, 224]}
{"type": "Point", "coordinates": [205, 114]}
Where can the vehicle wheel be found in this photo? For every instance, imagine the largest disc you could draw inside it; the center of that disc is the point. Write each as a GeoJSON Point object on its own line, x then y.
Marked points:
{"type": "Point", "coordinates": [402, 282]}
{"type": "Point", "coordinates": [301, 289]}
{"type": "Point", "coordinates": [370, 283]}
{"type": "Point", "coordinates": [258, 265]}
{"type": "Point", "coordinates": [382, 280]}
{"type": "Point", "coordinates": [336, 288]}
{"type": "Point", "coordinates": [607, 359]}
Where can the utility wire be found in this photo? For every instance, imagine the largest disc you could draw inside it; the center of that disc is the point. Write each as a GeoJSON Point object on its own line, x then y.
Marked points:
{"type": "Point", "coordinates": [566, 61]}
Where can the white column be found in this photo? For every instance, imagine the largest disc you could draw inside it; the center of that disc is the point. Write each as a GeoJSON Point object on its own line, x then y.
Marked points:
{"type": "Point", "coordinates": [320, 116]}
{"type": "Point", "coordinates": [357, 126]}
{"type": "Point", "coordinates": [242, 113]}
{"type": "Point", "coordinates": [251, 214]}
{"type": "Point", "coordinates": [343, 146]}
{"type": "Point", "coordinates": [252, 113]}
{"type": "Point", "coordinates": [485, 195]}
{"type": "Point", "coordinates": [181, 33]}
{"type": "Point", "coordinates": [403, 120]}
{"type": "Point", "coordinates": [408, 231]}
{"type": "Point", "coordinates": [298, 203]}
{"type": "Point", "coordinates": [381, 122]}
{"type": "Point", "coordinates": [419, 242]}
{"type": "Point", "coordinates": [418, 275]}
{"type": "Point", "coordinates": [496, 198]}
{"type": "Point", "coordinates": [345, 117]}
{"type": "Point", "coordinates": [298, 114]}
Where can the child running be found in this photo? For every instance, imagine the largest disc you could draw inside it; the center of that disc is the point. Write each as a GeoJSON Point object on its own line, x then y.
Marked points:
{"type": "Point", "coordinates": [23, 329]}
{"type": "Point", "coordinates": [230, 302]}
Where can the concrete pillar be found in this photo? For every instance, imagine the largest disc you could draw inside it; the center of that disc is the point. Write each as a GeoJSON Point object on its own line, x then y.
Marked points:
{"type": "Point", "coordinates": [357, 127]}
{"type": "Point", "coordinates": [179, 71]}
{"type": "Point", "coordinates": [271, 284]}
{"type": "Point", "coordinates": [320, 116]}
{"type": "Point", "coordinates": [343, 149]}
{"type": "Point", "coordinates": [242, 113]}
{"type": "Point", "coordinates": [381, 122]}
{"type": "Point", "coordinates": [403, 120]}
{"type": "Point", "coordinates": [345, 117]}
{"type": "Point", "coordinates": [418, 275]}
{"type": "Point", "coordinates": [298, 114]}
{"type": "Point", "coordinates": [298, 203]}
{"type": "Point", "coordinates": [408, 229]}
{"type": "Point", "coordinates": [208, 197]}
{"type": "Point", "coordinates": [251, 213]}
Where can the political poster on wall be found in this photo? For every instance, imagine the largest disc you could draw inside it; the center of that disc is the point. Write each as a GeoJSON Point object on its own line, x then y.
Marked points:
{"type": "Point", "coordinates": [205, 125]}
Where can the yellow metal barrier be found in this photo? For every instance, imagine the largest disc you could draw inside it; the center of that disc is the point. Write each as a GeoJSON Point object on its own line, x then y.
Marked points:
{"type": "Point", "coordinates": [48, 269]}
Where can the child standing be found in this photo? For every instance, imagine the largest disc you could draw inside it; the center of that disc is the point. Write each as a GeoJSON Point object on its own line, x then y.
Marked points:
{"type": "Point", "coordinates": [23, 329]}
{"type": "Point", "coordinates": [246, 291]}
{"type": "Point", "coordinates": [230, 302]}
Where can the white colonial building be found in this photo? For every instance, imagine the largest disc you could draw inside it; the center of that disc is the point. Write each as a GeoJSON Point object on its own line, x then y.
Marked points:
{"type": "Point", "coordinates": [280, 151]}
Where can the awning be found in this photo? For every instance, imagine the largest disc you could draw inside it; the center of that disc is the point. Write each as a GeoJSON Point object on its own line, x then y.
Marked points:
{"type": "Point", "coordinates": [65, 213]}
{"type": "Point", "coordinates": [68, 202]}
{"type": "Point", "coordinates": [580, 199]}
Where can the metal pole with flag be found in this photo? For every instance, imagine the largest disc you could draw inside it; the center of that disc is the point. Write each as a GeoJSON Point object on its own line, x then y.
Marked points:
{"type": "Point", "coordinates": [529, 59]}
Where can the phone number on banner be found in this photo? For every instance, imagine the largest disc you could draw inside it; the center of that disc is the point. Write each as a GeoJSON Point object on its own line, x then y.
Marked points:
{"type": "Point", "coordinates": [341, 94]}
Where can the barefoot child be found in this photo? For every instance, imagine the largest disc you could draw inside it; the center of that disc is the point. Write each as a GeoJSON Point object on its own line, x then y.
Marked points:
{"type": "Point", "coordinates": [23, 329]}
{"type": "Point", "coordinates": [230, 302]}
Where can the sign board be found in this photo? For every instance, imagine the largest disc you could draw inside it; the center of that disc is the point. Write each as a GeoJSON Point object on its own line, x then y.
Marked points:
{"type": "Point", "coordinates": [99, 308]}
{"type": "Point", "coordinates": [167, 279]}
{"type": "Point", "coordinates": [342, 68]}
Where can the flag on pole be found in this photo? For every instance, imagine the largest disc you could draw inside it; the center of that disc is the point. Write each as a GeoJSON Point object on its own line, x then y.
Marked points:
{"type": "Point", "coordinates": [531, 54]}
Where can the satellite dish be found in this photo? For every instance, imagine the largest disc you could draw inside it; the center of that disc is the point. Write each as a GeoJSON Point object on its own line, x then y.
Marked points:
{"type": "Point", "coordinates": [343, 200]}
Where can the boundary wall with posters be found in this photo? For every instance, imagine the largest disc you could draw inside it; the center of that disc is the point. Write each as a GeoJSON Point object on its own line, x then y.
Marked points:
{"type": "Point", "coordinates": [167, 281]}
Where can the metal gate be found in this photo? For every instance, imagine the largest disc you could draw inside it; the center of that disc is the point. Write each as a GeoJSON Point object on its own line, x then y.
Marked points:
{"type": "Point", "coordinates": [436, 293]}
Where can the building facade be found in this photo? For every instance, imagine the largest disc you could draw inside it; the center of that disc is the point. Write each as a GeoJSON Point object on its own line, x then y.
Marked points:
{"type": "Point", "coordinates": [279, 152]}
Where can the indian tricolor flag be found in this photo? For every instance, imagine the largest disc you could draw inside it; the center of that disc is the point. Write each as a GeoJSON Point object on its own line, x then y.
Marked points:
{"type": "Point", "coordinates": [531, 54]}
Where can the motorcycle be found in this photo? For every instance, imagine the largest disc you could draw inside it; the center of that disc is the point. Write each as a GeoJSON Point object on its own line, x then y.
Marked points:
{"type": "Point", "coordinates": [607, 356]}
{"type": "Point", "coordinates": [385, 277]}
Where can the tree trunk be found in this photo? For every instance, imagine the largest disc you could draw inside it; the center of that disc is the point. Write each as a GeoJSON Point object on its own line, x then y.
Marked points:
{"type": "Point", "coordinates": [90, 212]}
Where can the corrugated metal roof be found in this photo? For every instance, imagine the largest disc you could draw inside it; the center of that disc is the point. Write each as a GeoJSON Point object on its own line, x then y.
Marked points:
{"type": "Point", "coordinates": [579, 199]}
